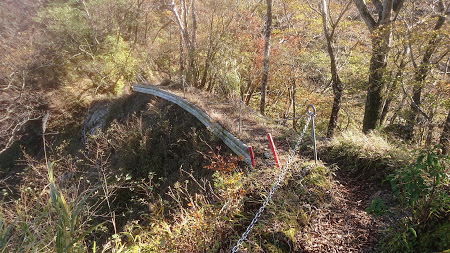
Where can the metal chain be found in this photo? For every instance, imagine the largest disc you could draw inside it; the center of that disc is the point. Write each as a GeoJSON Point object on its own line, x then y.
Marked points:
{"type": "Point", "coordinates": [280, 177]}
{"type": "Point", "coordinates": [274, 188]}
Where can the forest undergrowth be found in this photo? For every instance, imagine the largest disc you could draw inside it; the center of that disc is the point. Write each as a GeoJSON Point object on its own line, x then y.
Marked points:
{"type": "Point", "coordinates": [156, 180]}
{"type": "Point", "coordinates": [88, 166]}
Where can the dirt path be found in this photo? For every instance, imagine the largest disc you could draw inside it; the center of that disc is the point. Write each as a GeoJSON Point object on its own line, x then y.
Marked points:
{"type": "Point", "coordinates": [342, 225]}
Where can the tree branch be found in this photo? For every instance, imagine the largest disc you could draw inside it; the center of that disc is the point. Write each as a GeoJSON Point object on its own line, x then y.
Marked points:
{"type": "Point", "coordinates": [387, 12]}
{"type": "Point", "coordinates": [334, 25]}
{"type": "Point", "coordinates": [398, 4]}
{"type": "Point", "coordinates": [379, 7]}
{"type": "Point", "coordinates": [414, 104]}
{"type": "Point", "coordinates": [365, 14]}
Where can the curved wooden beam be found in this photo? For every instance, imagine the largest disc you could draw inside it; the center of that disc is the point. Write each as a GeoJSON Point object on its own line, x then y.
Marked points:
{"type": "Point", "coordinates": [237, 146]}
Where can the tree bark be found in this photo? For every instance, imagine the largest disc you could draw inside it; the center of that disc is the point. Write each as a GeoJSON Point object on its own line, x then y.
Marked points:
{"type": "Point", "coordinates": [212, 82]}
{"type": "Point", "coordinates": [209, 55]}
{"type": "Point", "coordinates": [294, 91]}
{"type": "Point", "coordinates": [374, 101]}
{"type": "Point", "coordinates": [91, 26]}
{"type": "Point", "coordinates": [181, 54]}
{"type": "Point", "coordinates": [192, 68]}
{"type": "Point", "coordinates": [393, 87]}
{"type": "Point", "coordinates": [422, 71]}
{"type": "Point", "coordinates": [190, 46]}
{"type": "Point", "coordinates": [265, 72]}
{"type": "Point", "coordinates": [445, 136]}
{"type": "Point", "coordinates": [336, 81]}
{"type": "Point", "coordinates": [429, 138]}
{"type": "Point", "coordinates": [381, 37]}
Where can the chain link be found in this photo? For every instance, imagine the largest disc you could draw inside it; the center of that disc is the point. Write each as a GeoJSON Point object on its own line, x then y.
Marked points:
{"type": "Point", "coordinates": [274, 188]}
{"type": "Point", "coordinates": [282, 174]}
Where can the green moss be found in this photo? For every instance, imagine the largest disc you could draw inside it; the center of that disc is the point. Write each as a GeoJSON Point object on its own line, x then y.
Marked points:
{"type": "Point", "coordinates": [278, 242]}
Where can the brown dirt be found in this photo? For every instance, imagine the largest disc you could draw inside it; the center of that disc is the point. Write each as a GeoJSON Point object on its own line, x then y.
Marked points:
{"type": "Point", "coordinates": [342, 225]}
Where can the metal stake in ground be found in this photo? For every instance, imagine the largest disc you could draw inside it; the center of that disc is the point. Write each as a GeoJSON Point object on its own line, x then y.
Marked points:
{"type": "Point", "coordinates": [240, 113]}
{"type": "Point", "coordinates": [274, 149]}
{"type": "Point", "coordinates": [312, 114]}
{"type": "Point", "coordinates": [274, 188]}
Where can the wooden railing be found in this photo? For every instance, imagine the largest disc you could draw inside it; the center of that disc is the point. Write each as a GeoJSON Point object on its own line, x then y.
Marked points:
{"type": "Point", "coordinates": [237, 146]}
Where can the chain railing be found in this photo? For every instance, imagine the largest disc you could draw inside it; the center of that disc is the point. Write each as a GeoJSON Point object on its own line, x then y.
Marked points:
{"type": "Point", "coordinates": [310, 114]}
{"type": "Point", "coordinates": [275, 186]}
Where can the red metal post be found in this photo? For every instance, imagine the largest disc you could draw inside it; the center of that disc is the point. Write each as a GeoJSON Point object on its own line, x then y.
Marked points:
{"type": "Point", "coordinates": [252, 156]}
{"type": "Point", "coordinates": [274, 149]}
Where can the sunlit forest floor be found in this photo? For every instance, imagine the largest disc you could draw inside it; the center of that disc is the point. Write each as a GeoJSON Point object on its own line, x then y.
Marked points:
{"type": "Point", "coordinates": [88, 165]}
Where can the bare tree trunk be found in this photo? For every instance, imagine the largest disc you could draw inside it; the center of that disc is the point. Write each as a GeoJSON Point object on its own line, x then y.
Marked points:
{"type": "Point", "coordinates": [137, 17]}
{"type": "Point", "coordinates": [422, 71]}
{"type": "Point", "coordinates": [445, 136]}
{"type": "Point", "coordinates": [182, 28]}
{"type": "Point", "coordinates": [265, 72]}
{"type": "Point", "coordinates": [181, 54]}
{"type": "Point", "coordinates": [208, 55]}
{"type": "Point", "coordinates": [184, 35]}
{"type": "Point", "coordinates": [336, 81]}
{"type": "Point", "coordinates": [205, 70]}
{"type": "Point", "coordinates": [393, 87]}
{"type": "Point", "coordinates": [184, 13]}
{"type": "Point", "coordinates": [250, 90]}
{"type": "Point", "coordinates": [294, 91]}
{"type": "Point", "coordinates": [194, 24]}
{"type": "Point", "coordinates": [381, 37]}
{"type": "Point", "coordinates": [387, 104]}
{"type": "Point", "coordinates": [429, 138]}
{"type": "Point", "coordinates": [212, 82]}
{"type": "Point", "coordinates": [91, 26]}
{"type": "Point", "coordinates": [192, 68]}
{"type": "Point", "coordinates": [378, 62]}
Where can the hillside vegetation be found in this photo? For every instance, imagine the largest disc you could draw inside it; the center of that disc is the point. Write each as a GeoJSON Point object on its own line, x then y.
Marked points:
{"type": "Point", "coordinates": [88, 165]}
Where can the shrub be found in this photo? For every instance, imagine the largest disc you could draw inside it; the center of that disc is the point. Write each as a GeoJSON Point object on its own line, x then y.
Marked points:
{"type": "Point", "coordinates": [306, 185]}
{"type": "Point", "coordinates": [423, 190]}
{"type": "Point", "coordinates": [116, 65]}
{"type": "Point", "coordinates": [198, 221]}
{"type": "Point", "coordinates": [66, 25]}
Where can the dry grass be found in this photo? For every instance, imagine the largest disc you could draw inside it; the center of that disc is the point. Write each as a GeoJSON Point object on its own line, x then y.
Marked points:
{"type": "Point", "coordinates": [225, 111]}
{"type": "Point", "coordinates": [369, 145]}
{"type": "Point", "coordinates": [197, 213]}
{"type": "Point", "coordinates": [37, 221]}
{"type": "Point", "coordinates": [372, 154]}
{"type": "Point", "coordinates": [287, 217]}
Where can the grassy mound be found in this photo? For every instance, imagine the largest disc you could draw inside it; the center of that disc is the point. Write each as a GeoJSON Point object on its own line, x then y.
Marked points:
{"type": "Point", "coordinates": [371, 155]}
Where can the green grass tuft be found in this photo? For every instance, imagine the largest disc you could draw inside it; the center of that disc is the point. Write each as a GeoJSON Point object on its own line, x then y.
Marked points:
{"type": "Point", "coordinates": [369, 154]}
